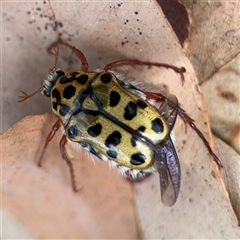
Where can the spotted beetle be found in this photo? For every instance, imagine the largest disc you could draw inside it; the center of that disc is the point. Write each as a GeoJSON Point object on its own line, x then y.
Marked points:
{"type": "Point", "coordinates": [116, 121]}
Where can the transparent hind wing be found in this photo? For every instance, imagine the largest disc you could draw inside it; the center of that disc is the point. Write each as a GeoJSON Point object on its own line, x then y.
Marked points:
{"type": "Point", "coordinates": [167, 164]}
{"type": "Point", "coordinates": [169, 110]}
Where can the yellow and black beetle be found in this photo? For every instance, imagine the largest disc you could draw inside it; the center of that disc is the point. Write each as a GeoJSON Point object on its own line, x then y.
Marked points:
{"type": "Point", "coordinates": [116, 121]}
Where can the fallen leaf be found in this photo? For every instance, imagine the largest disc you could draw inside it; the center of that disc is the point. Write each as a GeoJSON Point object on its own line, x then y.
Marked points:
{"type": "Point", "coordinates": [106, 32]}
{"type": "Point", "coordinates": [214, 33]}
{"type": "Point", "coordinates": [230, 172]}
{"type": "Point", "coordinates": [213, 49]}
{"type": "Point", "coordinates": [221, 92]}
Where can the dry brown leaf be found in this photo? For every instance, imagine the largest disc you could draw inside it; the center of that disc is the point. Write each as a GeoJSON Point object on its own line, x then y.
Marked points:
{"type": "Point", "coordinates": [222, 92]}
{"type": "Point", "coordinates": [230, 173]}
{"type": "Point", "coordinates": [213, 49]}
{"type": "Point", "coordinates": [213, 36]}
{"type": "Point", "coordinates": [107, 32]}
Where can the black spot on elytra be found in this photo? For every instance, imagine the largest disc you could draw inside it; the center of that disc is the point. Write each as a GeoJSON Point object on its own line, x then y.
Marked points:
{"type": "Point", "coordinates": [133, 141]}
{"type": "Point", "coordinates": [64, 109]}
{"type": "Point", "coordinates": [141, 129]}
{"type": "Point", "coordinates": [114, 98]}
{"type": "Point", "coordinates": [106, 77]}
{"type": "Point", "coordinates": [130, 111]}
{"type": "Point", "coordinates": [94, 131]}
{"type": "Point", "coordinates": [56, 94]}
{"type": "Point", "coordinates": [113, 139]}
{"type": "Point", "coordinates": [112, 153]}
{"type": "Point", "coordinates": [64, 79]}
{"type": "Point", "coordinates": [141, 104]}
{"type": "Point", "coordinates": [82, 79]}
{"type": "Point", "coordinates": [72, 131]}
{"type": "Point", "coordinates": [71, 77]}
{"type": "Point", "coordinates": [157, 125]}
{"type": "Point", "coordinates": [69, 91]}
{"type": "Point", "coordinates": [137, 159]}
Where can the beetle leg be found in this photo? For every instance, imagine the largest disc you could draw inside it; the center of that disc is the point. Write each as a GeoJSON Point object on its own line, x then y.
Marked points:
{"type": "Point", "coordinates": [158, 97]}
{"type": "Point", "coordinates": [150, 64]}
{"type": "Point", "coordinates": [55, 52]}
{"type": "Point", "coordinates": [63, 142]}
{"type": "Point", "coordinates": [26, 96]}
{"type": "Point", "coordinates": [76, 52]}
{"type": "Point", "coordinates": [50, 136]}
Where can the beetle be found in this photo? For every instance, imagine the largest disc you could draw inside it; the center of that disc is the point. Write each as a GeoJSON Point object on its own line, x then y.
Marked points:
{"type": "Point", "coordinates": [116, 121]}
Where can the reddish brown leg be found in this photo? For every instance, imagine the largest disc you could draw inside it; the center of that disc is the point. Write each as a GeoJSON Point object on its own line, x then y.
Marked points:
{"type": "Point", "coordinates": [26, 96]}
{"type": "Point", "coordinates": [76, 52]}
{"type": "Point", "coordinates": [63, 142]}
{"type": "Point", "coordinates": [150, 64]}
{"type": "Point", "coordinates": [50, 136]}
{"type": "Point", "coordinates": [55, 52]}
{"type": "Point", "coordinates": [182, 113]}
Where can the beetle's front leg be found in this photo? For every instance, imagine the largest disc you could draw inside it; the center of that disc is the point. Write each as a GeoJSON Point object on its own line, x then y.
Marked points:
{"type": "Point", "coordinates": [50, 136]}
{"type": "Point", "coordinates": [63, 143]}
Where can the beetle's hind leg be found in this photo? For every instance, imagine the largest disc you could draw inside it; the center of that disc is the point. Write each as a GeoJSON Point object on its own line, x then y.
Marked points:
{"type": "Point", "coordinates": [158, 97]}
{"type": "Point", "coordinates": [49, 137]}
{"type": "Point", "coordinates": [62, 143]}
